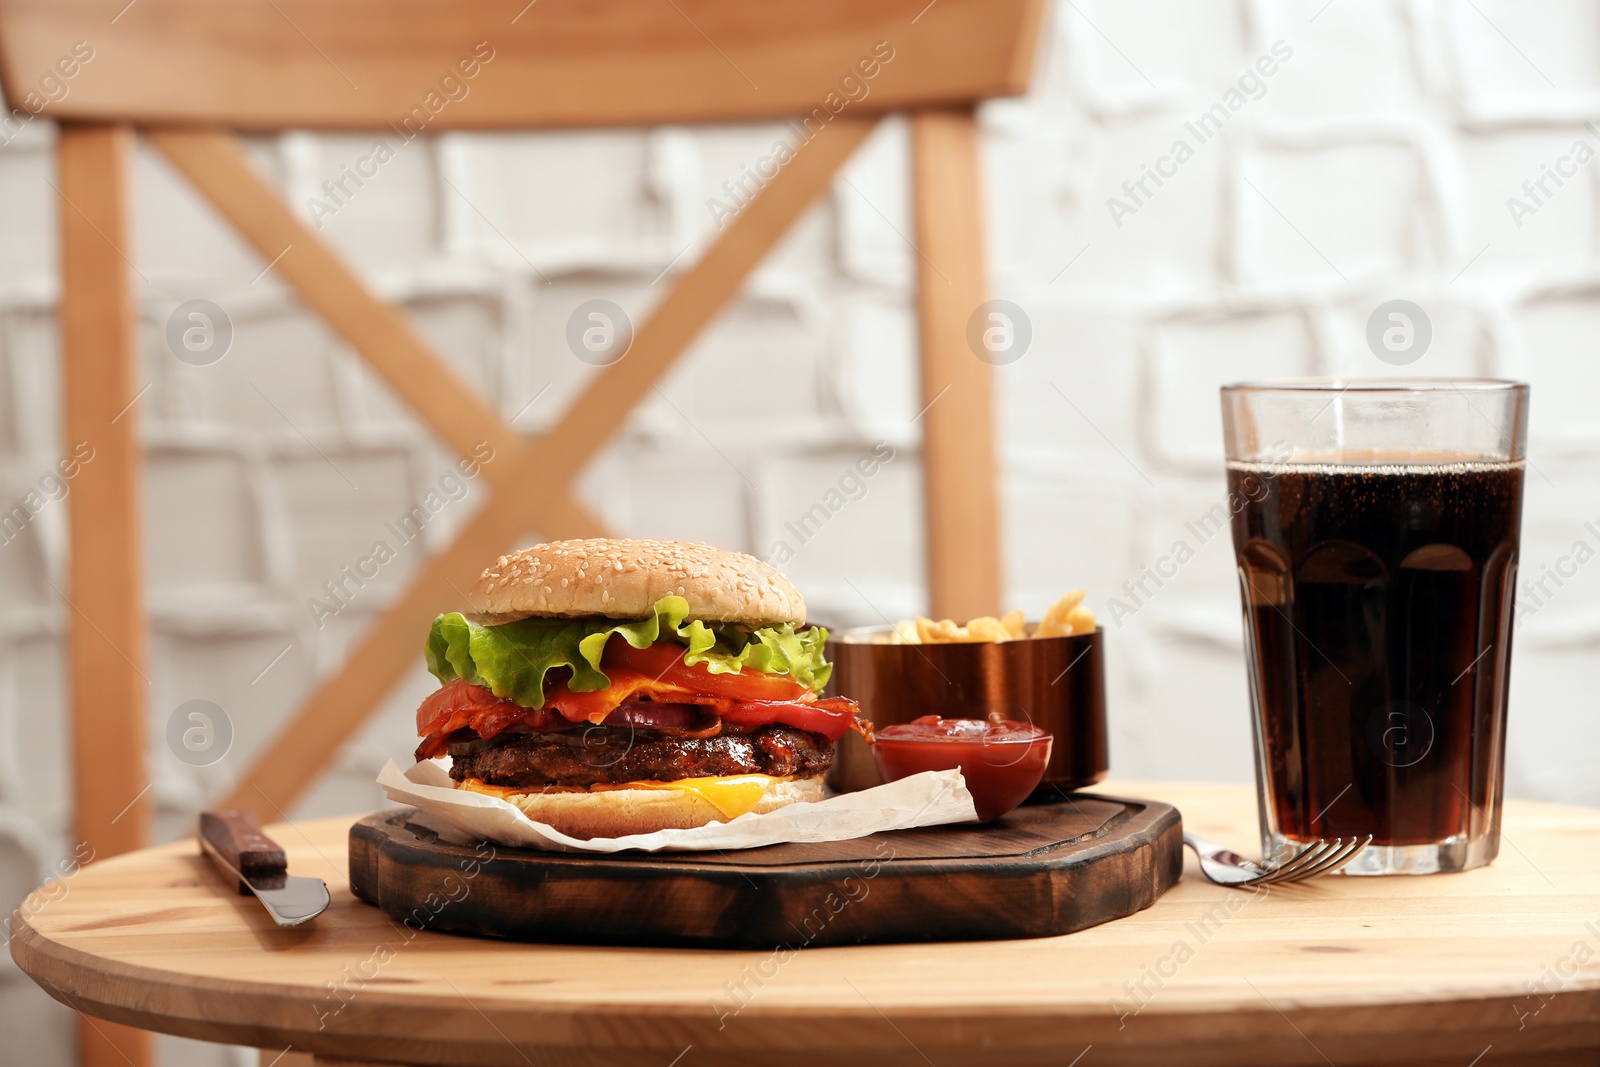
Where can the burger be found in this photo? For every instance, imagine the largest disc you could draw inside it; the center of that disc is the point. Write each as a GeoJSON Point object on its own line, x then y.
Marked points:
{"type": "Point", "coordinates": [611, 687]}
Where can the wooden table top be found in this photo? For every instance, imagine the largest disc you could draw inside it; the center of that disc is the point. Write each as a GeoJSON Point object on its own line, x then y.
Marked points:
{"type": "Point", "coordinates": [1502, 964]}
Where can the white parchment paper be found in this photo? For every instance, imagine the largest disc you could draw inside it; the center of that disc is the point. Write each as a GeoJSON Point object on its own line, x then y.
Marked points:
{"type": "Point", "coordinates": [931, 798]}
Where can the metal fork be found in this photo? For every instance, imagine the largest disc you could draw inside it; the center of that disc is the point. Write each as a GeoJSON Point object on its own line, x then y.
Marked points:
{"type": "Point", "coordinates": [1231, 869]}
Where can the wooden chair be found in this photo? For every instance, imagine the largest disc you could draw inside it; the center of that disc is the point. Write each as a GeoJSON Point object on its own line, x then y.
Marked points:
{"type": "Point", "coordinates": [187, 74]}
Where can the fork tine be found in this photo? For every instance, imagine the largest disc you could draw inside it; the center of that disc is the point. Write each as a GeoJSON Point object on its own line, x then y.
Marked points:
{"type": "Point", "coordinates": [1348, 851]}
{"type": "Point", "coordinates": [1289, 871]}
{"type": "Point", "coordinates": [1335, 847]}
{"type": "Point", "coordinates": [1334, 856]}
{"type": "Point", "coordinates": [1352, 847]}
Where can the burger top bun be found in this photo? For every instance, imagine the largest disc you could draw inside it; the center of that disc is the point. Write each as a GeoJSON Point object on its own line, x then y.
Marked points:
{"type": "Point", "coordinates": [622, 812]}
{"type": "Point", "coordinates": [624, 579]}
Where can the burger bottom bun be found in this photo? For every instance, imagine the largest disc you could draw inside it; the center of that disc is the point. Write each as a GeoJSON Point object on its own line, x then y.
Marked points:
{"type": "Point", "coordinates": [620, 812]}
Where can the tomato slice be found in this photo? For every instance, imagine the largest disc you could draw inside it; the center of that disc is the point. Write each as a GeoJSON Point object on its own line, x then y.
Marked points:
{"type": "Point", "coordinates": [831, 717]}
{"type": "Point", "coordinates": [663, 662]}
{"type": "Point", "coordinates": [659, 673]}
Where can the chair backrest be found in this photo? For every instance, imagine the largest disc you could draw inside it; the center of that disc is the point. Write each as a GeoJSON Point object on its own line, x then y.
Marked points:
{"type": "Point", "coordinates": [476, 64]}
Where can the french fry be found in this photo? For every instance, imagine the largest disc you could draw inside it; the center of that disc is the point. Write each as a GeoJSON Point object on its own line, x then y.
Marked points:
{"type": "Point", "coordinates": [905, 633]}
{"type": "Point", "coordinates": [944, 631]}
{"type": "Point", "coordinates": [1057, 613]}
{"type": "Point", "coordinates": [1065, 618]}
{"type": "Point", "coordinates": [987, 628]}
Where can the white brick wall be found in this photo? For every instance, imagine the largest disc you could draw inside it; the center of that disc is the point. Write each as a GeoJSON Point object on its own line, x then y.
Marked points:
{"type": "Point", "coordinates": [1376, 165]}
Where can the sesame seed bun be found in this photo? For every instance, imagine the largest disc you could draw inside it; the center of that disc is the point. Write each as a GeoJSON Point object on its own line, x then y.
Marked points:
{"type": "Point", "coordinates": [624, 579]}
{"type": "Point", "coordinates": [620, 811]}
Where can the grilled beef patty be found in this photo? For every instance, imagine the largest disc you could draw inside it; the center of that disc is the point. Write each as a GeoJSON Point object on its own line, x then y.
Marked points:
{"type": "Point", "coordinates": [618, 754]}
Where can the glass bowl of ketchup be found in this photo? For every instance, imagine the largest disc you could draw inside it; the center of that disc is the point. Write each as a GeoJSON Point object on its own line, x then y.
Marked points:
{"type": "Point", "coordinates": [1002, 760]}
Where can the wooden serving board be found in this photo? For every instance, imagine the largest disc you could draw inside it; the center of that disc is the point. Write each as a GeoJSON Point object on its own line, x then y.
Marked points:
{"type": "Point", "coordinates": [1044, 869]}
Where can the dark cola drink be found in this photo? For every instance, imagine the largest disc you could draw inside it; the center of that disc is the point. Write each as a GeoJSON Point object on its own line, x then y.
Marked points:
{"type": "Point", "coordinates": [1378, 612]}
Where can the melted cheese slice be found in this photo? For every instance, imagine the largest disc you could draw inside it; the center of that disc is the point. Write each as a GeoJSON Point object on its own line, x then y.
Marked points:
{"type": "Point", "coordinates": [504, 792]}
{"type": "Point", "coordinates": [732, 794]}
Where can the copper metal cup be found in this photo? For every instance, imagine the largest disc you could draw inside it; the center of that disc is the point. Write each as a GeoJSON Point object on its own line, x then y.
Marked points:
{"type": "Point", "coordinates": [1055, 683]}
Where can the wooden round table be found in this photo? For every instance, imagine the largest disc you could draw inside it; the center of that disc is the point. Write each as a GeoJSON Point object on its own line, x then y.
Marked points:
{"type": "Point", "coordinates": [1496, 966]}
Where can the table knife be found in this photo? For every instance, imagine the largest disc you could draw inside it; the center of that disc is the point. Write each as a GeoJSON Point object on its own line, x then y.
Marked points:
{"type": "Point", "coordinates": [256, 864]}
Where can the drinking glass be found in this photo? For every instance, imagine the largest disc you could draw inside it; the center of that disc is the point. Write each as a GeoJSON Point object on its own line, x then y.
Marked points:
{"type": "Point", "coordinates": [1375, 526]}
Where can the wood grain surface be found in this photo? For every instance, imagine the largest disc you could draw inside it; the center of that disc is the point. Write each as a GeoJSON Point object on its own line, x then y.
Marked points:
{"type": "Point", "coordinates": [1438, 969]}
{"type": "Point", "coordinates": [959, 487]}
{"type": "Point", "coordinates": [373, 64]}
{"type": "Point", "coordinates": [1042, 870]}
{"type": "Point", "coordinates": [102, 465]}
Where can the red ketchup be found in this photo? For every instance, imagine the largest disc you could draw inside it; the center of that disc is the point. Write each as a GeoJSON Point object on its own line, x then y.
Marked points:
{"type": "Point", "coordinates": [1002, 761]}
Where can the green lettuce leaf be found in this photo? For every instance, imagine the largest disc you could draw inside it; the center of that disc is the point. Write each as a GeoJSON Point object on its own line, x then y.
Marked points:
{"type": "Point", "coordinates": [727, 649]}
{"type": "Point", "coordinates": [512, 659]}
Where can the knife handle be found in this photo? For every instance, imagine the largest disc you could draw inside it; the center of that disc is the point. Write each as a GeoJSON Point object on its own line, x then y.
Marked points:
{"type": "Point", "coordinates": [239, 847]}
